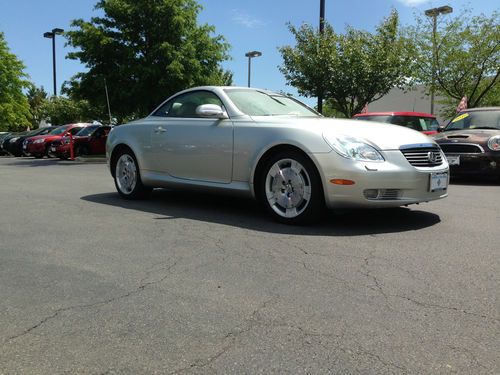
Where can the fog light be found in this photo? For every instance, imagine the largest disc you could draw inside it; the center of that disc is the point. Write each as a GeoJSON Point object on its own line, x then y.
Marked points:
{"type": "Point", "coordinates": [371, 193]}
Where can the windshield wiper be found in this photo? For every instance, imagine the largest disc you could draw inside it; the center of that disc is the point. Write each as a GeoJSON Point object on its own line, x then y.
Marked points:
{"type": "Point", "coordinates": [485, 127]}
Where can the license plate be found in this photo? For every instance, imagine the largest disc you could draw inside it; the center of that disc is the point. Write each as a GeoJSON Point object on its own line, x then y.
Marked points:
{"type": "Point", "coordinates": [439, 181]}
{"type": "Point", "coordinates": [53, 149]}
{"type": "Point", "coordinates": [24, 147]}
{"type": "Point", "coordinates": [453, 160]}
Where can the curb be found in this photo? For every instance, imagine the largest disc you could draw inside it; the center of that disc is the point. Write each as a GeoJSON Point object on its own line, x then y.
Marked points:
{"type": "Point", "coordinates": [90, 159]}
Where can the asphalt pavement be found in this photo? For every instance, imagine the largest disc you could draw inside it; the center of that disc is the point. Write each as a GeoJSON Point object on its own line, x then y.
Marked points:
{"type": "Point", "coordinates": [188, 283]}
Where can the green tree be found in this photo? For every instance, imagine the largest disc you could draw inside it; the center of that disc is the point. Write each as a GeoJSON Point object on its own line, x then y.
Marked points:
{"type": "Point", "coordinates": [466, 58]}
{"type": "Point", "coordinates": [349, 70]}
{"type": "Point", "coordinates": [14, 107]}
{"type": "Point", "coordinates": [146, 50]}
{"type": "Point", "coordinates": [60, 110]}
{"type": "Point", "coordinates": [36, 99]}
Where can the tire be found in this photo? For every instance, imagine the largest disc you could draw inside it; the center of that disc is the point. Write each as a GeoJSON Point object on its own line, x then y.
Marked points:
{"type": "Point", "coordinates": [82, 150]}
{"type": "Point", "coordinates": [290, 189]}
{"type": "Point", "coordinates": [127, 176]}
{"type": "Point", "coordinates": [47, 151]}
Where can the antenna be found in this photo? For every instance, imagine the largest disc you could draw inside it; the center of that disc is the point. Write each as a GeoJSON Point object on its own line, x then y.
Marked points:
{"type": "Point", "coordinates": [107, 100]}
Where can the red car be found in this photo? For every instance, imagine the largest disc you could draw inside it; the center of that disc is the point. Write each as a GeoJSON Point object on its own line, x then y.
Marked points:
{"type": "Point", "coordinates": [39, 146]}
{"type": "Point", "coordinates": [423, 122]}
{"type": "Point", "coordinates": [90, 140]}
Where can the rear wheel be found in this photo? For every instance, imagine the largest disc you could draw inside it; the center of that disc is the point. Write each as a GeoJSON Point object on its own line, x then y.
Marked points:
{"type": "Point", "coordinates": [82, 150]}
{"type": "Point", "coordinates": [128, 178]}
{"type": "Point", "coordinates": [290, 188]}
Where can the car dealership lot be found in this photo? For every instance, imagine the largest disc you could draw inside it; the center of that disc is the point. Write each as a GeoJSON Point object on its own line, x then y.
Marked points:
{"type": "Point", "coordinates": [194, 283]}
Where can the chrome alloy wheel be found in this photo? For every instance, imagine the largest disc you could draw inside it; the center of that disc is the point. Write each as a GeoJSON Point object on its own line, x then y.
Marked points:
{"type": "Point", "coordinates": [126, 174]}
{"type": "Point", "coordinates": [288, 188]}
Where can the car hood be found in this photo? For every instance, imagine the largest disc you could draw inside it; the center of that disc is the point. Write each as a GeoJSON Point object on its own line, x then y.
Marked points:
{"type": "Point", "coordinates": [382, 136]}
{"type": "Point", "coordinates": [46, 137]}
{"type": "Point", "coordinates": [469, 135]}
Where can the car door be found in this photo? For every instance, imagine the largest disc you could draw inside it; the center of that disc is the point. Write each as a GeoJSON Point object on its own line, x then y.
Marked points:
{"type": "Point", "coordinates": [187, 146]}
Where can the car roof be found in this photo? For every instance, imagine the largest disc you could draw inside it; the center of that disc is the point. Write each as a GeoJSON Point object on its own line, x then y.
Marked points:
{"type": "Point", "coordinates": [396, 113]}
{"type": "Point", "coordinates": [480, 109]}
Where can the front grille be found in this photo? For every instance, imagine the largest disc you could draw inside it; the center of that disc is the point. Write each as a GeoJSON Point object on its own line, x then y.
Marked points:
{"type": "Point", "coordinates": [423, 156]}
{"type": "Point", "coordinates": [458, 148]}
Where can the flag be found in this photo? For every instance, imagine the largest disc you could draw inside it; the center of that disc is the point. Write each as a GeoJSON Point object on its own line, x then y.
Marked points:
{"type": "Point", "coordinates": [462, 105]}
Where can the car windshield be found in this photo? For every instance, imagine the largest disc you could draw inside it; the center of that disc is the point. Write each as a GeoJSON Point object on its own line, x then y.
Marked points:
{"type": "Point", "coordinates": [59, 130]}
{"type": "Point", "coordinates": [475, 120]}
{"type": "Point", "coordinates": [259, 103]}
{"type": "Point", "coordinates": [87, 130]}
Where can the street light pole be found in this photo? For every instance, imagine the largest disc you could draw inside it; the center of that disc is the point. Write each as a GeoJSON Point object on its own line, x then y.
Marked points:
{"type": "Point", "coordinates": [250, 56]}
{"type": "Point", "coordinates": [52, 35]}
{"type": "Point", "coordinates": [321, 31]}
{"type": "Point", "coordinates": [434, 13]}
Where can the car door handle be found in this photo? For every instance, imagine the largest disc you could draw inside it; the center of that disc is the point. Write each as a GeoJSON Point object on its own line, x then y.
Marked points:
{"type": "Point", "coordinates": [160, 130]}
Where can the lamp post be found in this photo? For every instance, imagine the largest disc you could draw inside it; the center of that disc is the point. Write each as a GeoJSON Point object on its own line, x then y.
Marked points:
{"type": "Point", "coordinates": [434, 13]}
{"type": "Point", "coordinates": [251, 55]}
{"type": "Point", "coordinates": [321, 31]}
{"type": "Point", "coordinates": [52, 35]}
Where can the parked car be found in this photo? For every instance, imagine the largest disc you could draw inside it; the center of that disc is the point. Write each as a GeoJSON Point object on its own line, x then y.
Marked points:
{"type": "Point", "coordinates": [2, 136]}
{"type": "Point", "coordinates": [422, 122]}
{"type": "Point", "coordinates": [39, 146]}
{"type": "Point", "coordinates": [261, 144]}
{"type": "Point", "coordinates": [91, 140]}
{"type": "Point", "coordinates": [14, 146]}
{"type": "Point", "coordinates": [471, 142]}
{"type": "Point", "coordinates": [4, 139]}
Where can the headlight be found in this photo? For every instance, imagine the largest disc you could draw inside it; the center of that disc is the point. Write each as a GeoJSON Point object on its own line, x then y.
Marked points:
{"type": "Point", "coordinates": [12, 140]}
{"type": "Point", "coordinates": [354, 148]}
{"type": "Point", "coordinates": [494, 143]}
{"type": "Point", "coordinates": [38, 141]}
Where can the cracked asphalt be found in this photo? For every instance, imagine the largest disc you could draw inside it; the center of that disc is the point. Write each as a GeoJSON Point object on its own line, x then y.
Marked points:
{"type": "Point", "coordinates": [187, 283]}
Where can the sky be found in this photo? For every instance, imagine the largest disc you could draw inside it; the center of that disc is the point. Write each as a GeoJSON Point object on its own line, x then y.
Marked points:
{"type": "Point", "coordinates": [246, 24]}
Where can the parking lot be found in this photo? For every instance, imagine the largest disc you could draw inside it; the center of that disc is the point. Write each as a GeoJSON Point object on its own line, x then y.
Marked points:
{"type": "Point", "coordinates": [194, 283]}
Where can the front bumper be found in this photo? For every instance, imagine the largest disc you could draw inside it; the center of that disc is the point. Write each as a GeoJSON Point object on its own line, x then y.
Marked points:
{"type": "Point", "coordinates": [397, 182]}
{"type": "Point", "coordinates": [475, 164]}
{"type": "Point", "coordinates": [36, 148]}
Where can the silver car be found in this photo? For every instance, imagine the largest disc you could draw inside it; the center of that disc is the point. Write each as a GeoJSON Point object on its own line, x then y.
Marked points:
{"type": "Point", "coordinates": [271, 147]}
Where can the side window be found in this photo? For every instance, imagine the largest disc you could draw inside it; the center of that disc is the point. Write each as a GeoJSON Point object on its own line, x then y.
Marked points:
{"type": "Point", "coordinates": [73, 131]}
{"type": "Point", "coordinates": [184, 106]}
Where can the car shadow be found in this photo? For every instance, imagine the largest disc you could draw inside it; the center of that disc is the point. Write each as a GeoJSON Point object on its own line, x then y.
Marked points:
{"type": "Point", "coordinates": [476, 180]}
{"type": "Point", "coordinates": [246, 213]}
{"type": "Point", "coordinates": [42, 162]}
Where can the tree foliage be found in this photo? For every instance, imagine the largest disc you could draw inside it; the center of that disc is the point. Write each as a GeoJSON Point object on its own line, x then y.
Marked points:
{"type": "Point", "coordinates": [14, 107]}
{"type": "Point", "coordinates": [60, 110]}
{"type": "Point", "coordinates": [466, 58]}
{"type": "Point", "coordinates": [36, 99]}
{"type": "Point", "coordinates": [349, 70]}
{"type": "Point", "coordinates": [146, 50]}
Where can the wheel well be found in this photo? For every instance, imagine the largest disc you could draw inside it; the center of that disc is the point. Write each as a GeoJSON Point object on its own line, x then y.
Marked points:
{"type": "Point", "coordinates": [114, 155]}
{"type": "Point", "coordinates": [272, 151]}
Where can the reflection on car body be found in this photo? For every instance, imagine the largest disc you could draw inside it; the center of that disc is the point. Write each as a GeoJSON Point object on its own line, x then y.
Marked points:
{"type": "Point", "coordinates": [265, 145]}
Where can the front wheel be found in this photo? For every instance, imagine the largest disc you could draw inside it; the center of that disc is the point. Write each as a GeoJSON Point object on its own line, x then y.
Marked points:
{"type": "Point", "coordinates": [128, 178]}
{"type": "Point", "coordinates": [290, 188]}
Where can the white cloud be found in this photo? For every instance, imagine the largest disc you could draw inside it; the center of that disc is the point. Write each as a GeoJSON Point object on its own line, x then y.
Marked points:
{"type": "Point", "coordinates": [246, 20]}
{"type": "Point", "coordinates": [412, 3]}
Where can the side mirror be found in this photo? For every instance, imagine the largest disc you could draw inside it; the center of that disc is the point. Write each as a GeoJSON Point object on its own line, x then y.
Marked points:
{"type": "Point", "coordinates": [211, 111]}
{"type": "Point", "coordinates": [441, 128]}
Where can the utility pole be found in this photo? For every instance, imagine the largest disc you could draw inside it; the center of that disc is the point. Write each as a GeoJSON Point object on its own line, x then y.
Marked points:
{"type": "Point", "coordinates": [52, 35]}
{"type": "Point", "coordinates": [434, 13]}
{"type": "Point", "coordinates": [321, 32]}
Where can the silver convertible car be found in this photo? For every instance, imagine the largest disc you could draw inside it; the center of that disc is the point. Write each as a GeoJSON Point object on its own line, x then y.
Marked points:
{"type": "Point", "coordinates": [271, 147]}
